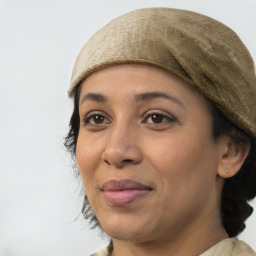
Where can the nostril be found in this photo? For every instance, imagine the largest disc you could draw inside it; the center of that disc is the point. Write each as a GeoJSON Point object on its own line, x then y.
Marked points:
{"type": "Point", "coordinates": [127, 160]}
{"type": "Point", "coordinates": [119, 163]}
{"type": "Point", "coordinates": [107, 162]}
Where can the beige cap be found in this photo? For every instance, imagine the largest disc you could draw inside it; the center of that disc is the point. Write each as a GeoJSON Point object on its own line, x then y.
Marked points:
{"type": "Point", "coordinates": [196, 48]}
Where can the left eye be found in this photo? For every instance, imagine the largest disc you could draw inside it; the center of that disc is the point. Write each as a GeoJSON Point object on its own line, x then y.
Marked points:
{"type": "Point", "coordinates": [158, 118]}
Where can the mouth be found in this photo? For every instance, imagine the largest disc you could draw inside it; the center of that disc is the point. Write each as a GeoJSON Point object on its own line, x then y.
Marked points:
{"type": "Point", "coordinates": [123, 192]}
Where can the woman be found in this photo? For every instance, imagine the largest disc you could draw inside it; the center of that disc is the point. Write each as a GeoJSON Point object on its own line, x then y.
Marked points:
{"type": "Point", "coordinates": [163, 132]}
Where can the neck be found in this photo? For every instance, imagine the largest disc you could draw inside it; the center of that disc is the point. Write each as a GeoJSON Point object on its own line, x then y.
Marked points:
{"type": "Point", "coordinates": [193, 243]}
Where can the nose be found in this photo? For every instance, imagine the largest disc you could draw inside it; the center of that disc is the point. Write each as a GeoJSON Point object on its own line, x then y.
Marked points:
{"type": "Point", "coordinates": [122, 147]}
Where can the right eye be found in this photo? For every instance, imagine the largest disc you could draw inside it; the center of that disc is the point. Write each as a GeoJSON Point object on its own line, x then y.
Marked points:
{"type": "Point", "coordinates": [95, 119]}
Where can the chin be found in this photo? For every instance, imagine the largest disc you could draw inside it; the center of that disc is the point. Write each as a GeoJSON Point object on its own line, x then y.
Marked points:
{"type": "Point", "coordinates": [123, 228]}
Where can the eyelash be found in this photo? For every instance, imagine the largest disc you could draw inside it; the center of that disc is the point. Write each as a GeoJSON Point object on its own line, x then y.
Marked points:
{"type": "Point", "coordinates": [90, 115]}
{"type": "Point", "coordinates": [169, 118]}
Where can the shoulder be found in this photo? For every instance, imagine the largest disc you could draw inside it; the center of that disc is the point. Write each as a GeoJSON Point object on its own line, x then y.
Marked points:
{"type": "Point", "coordinates": [227, 247]}
{"type": "Point", "coordinates": [230, 247]}
{"type": "Point", "coordinates": [243, 249]}
{"type": "Point", "coordinates": [104, 252]}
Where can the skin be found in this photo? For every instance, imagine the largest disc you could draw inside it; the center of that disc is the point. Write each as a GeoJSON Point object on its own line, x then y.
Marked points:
{"type": "Point", "coordinates": [173, 153]}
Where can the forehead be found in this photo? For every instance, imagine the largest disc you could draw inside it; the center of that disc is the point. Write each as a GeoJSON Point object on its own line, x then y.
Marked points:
{"type": "Point", "coordinates": [132, 79]}
{"type": "Point", "coordinates": [130, 76]}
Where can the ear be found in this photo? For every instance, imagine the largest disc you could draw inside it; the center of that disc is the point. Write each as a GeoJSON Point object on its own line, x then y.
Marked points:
{"type": "Point", "coordinates": [232, 156]}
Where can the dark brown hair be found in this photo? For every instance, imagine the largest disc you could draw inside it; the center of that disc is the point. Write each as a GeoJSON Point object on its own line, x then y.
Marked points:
{"type": "Point", "coordinates": [237, 191]}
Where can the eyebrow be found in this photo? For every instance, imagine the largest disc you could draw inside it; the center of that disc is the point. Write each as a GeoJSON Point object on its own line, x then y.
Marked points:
{"type": "Point", "coordinates": [98, 97]}
{"type": "Point", "coordinates": [148, 96]}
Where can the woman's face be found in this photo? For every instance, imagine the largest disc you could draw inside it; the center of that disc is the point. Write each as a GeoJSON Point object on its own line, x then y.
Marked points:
{"type": "Point", "coordinates": [146, 153]}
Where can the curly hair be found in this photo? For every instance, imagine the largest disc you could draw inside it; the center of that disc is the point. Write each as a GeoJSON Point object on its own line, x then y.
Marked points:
{"type": "Point", "coordinates": [237, 191]}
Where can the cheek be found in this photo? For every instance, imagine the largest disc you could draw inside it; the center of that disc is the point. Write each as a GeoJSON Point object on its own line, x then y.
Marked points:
{"type": "Point", "coordinates": [185, 162]}
{"type": "Point", "coordinates": [88, 156]}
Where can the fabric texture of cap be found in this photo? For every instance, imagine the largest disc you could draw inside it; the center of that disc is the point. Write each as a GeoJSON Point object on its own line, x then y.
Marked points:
{"type": "Point", "coordinates": [197, 48]}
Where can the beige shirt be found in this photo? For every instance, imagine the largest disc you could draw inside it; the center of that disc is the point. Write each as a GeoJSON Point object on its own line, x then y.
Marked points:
{"type": "Point", "coordinates": [227, 247]}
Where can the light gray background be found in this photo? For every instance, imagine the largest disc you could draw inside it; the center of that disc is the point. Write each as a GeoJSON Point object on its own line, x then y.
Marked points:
{"type": "Point", "coordinates": [39, 42]}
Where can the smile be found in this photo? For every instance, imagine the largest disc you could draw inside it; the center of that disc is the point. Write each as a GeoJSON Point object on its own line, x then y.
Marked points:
{"type": "Point", "coordinates": [123, 192]}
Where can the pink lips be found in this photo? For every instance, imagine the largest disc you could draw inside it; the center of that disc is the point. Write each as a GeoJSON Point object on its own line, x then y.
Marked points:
{"type": "Point", "coordinates": [122, 192]}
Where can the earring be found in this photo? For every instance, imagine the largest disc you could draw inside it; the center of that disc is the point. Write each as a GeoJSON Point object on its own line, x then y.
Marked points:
{"type": "Point", "coordinates": [227, 170]}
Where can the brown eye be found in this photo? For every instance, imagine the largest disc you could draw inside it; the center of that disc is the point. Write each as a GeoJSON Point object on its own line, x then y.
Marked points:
{"type": "Point", "coordinates": [156, 118]}
{"type": "Point", "coordinates": [159, 118]}
{"type": "Point", "coordinates": [95, 119]}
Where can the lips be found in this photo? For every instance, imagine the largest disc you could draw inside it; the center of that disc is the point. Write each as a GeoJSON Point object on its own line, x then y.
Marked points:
{"type": "Point", "coordinates": [123, 192]}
